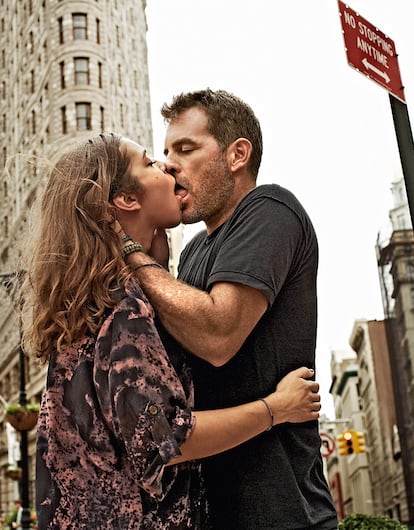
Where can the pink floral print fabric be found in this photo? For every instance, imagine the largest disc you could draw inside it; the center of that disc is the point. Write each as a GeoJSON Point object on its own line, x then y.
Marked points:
{"type": "Point", "coordinates": [115, 411]}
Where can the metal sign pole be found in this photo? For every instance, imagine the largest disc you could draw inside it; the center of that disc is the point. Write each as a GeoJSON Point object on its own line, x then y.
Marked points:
{"type": "Point", "coordinates": [405, 146]}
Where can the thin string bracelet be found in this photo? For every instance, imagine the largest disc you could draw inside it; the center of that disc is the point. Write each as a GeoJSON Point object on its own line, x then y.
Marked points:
{"type": "Point", "coordinates": [140, 265]}
{"type": "Point", "coordinates": [270, 412]}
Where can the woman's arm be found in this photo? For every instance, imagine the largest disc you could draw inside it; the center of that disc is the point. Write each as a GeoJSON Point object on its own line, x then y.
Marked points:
{"type": "Point", "coordinates": [158, 428]}
{"type": "Point", "coordinates": [295, 400]}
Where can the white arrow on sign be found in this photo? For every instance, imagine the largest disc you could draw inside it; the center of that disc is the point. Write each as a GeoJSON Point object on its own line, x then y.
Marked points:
{"type": "Point", "coordinates": [370, 66]}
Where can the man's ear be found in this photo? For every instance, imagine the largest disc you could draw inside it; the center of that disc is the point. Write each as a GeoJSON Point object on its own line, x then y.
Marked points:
{"type": "Point", "coordinates": [239, 153]}
{"type": "Point", "coordinates": [126, 201]}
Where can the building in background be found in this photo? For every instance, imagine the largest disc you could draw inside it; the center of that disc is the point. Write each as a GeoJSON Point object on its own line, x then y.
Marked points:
{"type": "Point", "coordinates": [348, 473]}
{"type": "Point", "coordinates": [68, 70]}
{"type": "Point", "coordinates": [395, 256]}
{"type": "Point", "coordinates": [368, 340]}
{"type": "Point", "coordinates": [371, 481]}
{"type": "Point", "coordinates": [372, 387]}
{"type": "Point", "coordinates": [343, 368]}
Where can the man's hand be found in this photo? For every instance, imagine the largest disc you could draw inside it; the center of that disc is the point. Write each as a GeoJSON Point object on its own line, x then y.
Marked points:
{"type": "Point", "coordinates": [296, 399]}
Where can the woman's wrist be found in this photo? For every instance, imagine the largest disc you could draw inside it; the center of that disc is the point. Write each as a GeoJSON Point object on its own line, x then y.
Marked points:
{"type": "Point", "coordinates": [270, 411]}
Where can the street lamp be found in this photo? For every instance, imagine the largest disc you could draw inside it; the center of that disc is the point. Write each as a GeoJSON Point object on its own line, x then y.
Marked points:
{"type": "Point", "coordinates": [11, 282]}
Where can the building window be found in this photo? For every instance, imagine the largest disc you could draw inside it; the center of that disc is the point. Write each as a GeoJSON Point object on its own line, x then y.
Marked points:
{"type": "Point", "coordinates": [32, 81]}
{"type": "Point", "coordinates": [100, 75]}
{"type": "Point", "coordinates": [60, 23]}
{"type": "Point", "coordinates": [33, 122]}
{"type": "Point", "coordinates": [34, 165]}
{"type": "Point", "coordinates": [62, 74]}
{"type": "Point", "coordinates": [121, 114]}
{"type": "Point", "coordinates": [83, 117]}
{"type": "Point", "coordinates": [80, 27]}
{"type": "Point", "coordinates": [98, 31]}
{"type": "Point", "coordinates": [81, 70]}
{"type": "Point", "coordinates": [102, 119]}
{"type": "Point", "coordinates": [400, 222]}
{"type": "Point", "coordinates": [119, 75]}
{"type": "Point", "coordinates": [64, 122]}
{"type": "Point", "coordinates": [410, 272]}
{"type": "Point", "coordinates": [4, 123]}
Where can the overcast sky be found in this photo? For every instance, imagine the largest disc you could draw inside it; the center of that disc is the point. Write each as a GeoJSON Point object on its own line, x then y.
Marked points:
{"type": "Point", "coordinates": [328, 130]}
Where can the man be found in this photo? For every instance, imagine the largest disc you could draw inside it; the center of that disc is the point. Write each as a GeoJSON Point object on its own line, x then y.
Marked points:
{"type": "Point", "coordinates": [245, 305]}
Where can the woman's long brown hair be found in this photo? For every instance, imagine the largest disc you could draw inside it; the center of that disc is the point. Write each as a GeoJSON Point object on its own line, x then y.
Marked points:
{"type": "Point", "coordinates": [76, 261]}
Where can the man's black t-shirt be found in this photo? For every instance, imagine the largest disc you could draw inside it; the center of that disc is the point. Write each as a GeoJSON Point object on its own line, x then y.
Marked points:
{"type": "Point", "coordinates": [274, 481]}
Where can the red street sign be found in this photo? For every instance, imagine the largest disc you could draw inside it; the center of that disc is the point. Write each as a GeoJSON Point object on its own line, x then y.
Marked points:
{"type": "Point", "coordinates": [327, 444]}
{"type": "Point", "coordinates": [370, 51]}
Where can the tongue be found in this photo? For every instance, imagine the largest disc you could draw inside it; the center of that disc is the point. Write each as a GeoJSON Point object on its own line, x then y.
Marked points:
{"type": "Point", "coordinates": [181, 193]}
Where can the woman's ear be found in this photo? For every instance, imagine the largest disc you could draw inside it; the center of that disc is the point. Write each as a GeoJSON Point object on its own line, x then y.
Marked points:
{"type": "Point", "coordinates": [126, 201]}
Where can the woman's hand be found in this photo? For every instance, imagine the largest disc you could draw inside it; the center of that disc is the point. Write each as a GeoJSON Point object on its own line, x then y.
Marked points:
{"type": "Point", "coordinates": [296, 398]}
{"type": "Point", "coordinates": [117, 228]}
{"type": "Point", "coordinates": [160, 250]}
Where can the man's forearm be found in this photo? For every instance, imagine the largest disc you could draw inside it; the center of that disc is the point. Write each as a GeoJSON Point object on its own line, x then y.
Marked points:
{"type": "Point", "coordinates": [187, 313]}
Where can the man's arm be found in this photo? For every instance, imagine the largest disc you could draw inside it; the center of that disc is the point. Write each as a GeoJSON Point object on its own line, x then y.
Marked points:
{"type": "Point", "coordinates": [212, 325]}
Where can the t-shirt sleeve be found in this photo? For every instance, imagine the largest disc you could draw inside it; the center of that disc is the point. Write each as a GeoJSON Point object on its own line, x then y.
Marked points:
{"type": "Point", "coordinates": [259, 247]}
{"type": "Point", "coordinates": [149, 410]}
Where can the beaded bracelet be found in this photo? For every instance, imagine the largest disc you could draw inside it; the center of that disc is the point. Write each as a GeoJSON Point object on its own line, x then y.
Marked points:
{"type": "Point", "coordinates": [152, 264]}
{"type": "Point", "coordinates": [130, 248]}
{"type": "Point", "coordinates": [270, 412]}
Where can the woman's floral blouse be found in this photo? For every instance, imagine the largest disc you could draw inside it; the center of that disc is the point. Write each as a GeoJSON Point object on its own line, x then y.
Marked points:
{"type": "Point", "coordinates": [114, 412]}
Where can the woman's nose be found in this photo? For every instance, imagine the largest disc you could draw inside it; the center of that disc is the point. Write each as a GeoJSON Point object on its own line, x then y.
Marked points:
{"type": "Point", "coordinates": [162, 166]}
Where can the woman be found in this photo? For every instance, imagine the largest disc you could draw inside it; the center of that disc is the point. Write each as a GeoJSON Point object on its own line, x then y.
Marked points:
{"type": "Point", "coordinates": [117, 436]}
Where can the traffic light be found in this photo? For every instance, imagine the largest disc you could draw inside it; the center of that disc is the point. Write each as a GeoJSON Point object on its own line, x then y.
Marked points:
{"type": "Point", "coordinates": [346, 442]}
{"type": "Point", "coordinates": [359, 442]}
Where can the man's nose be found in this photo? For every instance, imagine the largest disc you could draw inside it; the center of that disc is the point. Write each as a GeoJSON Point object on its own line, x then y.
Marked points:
{"type": "Point", "coordinates": [170, 166]}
